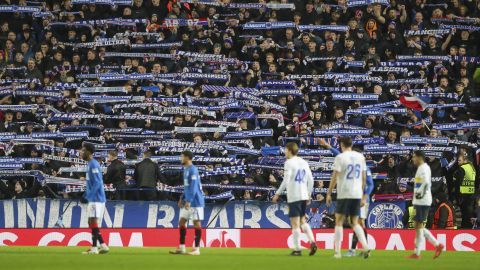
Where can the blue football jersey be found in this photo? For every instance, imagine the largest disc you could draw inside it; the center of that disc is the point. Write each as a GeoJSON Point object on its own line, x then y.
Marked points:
{"type": "Point", "coordinates": [94, 191]}
{"type": "Point", "coordinates": [193, 187]}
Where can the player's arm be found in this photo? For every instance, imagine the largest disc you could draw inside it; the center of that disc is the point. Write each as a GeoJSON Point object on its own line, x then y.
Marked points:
{"type": "Point", "coordinates": [96, 183]}
{"type": "Point", "coordinates": [337, 167]}
{"type": "Point", "coordinates": [195, 185]}
{"type": "Point", "coordinates": [188, 190]}
{"type": "Point", "coordinates": [369, 184]}
{"type": "Point", "coordinates": [283, 186]}
{"type": "Point", "coordinates": [420, 185]}
{"type": "Point", "coordinates": [326, 145]}
{"type": "Point", "coordinates": [97, 180]}
{"type": "Point", "coordinates": [309, 181]}
{"type": "Point", "coordinates": [333, 183]}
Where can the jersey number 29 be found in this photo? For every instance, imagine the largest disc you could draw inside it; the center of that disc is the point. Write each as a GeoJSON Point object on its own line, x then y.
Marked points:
{"type": "Point", "coordinates": [353, 171]}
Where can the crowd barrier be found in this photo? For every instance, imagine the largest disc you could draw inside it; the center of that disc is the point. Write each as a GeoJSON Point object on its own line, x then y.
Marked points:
{"type": "Point", "coordinates": [44, 213]}
{"type": "Point", "coordinates": [380, 239]}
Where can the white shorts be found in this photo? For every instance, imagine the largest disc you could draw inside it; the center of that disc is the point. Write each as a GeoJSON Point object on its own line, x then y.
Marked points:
{"type": "Point", "coordinates": [95, 209]}
{"type": "Point", "coordinates": [194, 213]}
{"type": "Point", "coordinates": [364, 211]}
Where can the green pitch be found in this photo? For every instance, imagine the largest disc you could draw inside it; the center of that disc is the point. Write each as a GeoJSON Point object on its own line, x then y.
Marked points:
{"type": "Point", "coordinates": [69, 258]}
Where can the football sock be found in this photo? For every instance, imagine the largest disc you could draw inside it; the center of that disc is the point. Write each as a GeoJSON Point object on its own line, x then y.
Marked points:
{"type": "Point", "coordinates": [198, 237]}
{"type": "Point", "coordinates": [354, 241]}
{"type": "Point", "coordinates": [98, 235]}
{"type": "Point", "coordinates": [338, 238]}
{"type": "Point", "coordinates": [361, 236]}
{"type": "Point", "coordinates": [429, 236]}
{"type": "Point", "coordinates": [296, 239]}
{"type": "Point", "coordinates": [308, 231]}
{"type": "Point", "coordinates": [418, 241]}
{"type": "Point", "coordinates": [183, 233]}
{"type": "Point", "coordinates": [94, 238]}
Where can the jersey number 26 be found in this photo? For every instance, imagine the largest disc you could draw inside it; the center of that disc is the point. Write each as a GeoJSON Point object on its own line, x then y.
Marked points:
{"type": "Point", "coordinates": [353, 171]}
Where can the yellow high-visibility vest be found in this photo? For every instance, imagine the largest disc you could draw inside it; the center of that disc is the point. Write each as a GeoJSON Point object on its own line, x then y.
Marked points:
{"type": "Point", "coordinates": [468, 182]}
{"type": "Point", "coordinates": [411, 215]}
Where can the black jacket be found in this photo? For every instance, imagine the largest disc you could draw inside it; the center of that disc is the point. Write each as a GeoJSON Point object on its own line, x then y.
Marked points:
{"type": "Point", "coordinates": [147, 173]}
{"type": "Point", "coordinates": [116, 174]}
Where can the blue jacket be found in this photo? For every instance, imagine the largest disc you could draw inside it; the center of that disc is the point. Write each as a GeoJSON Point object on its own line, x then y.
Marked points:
{"type": "Point", "coordinates": [94, 191]}
{"type": "Point", "coordinates": [369, 185]}
{"type": "Point", "coordinates": [193, 187]}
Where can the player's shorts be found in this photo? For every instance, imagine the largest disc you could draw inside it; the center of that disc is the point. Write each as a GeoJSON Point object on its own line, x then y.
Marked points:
{"type": "Point", "coordinates": [95, 209]}
{"type": "Point", "coordinates": [348, 207]}
{"type": "Point", "coordinates": [297, 209]}
{"type": "Point", "coordinates": [364, 211]}
{"type": "Point", "coordinates": [421, 213]}
{"type": "Point", "coordinates": [194, 213]}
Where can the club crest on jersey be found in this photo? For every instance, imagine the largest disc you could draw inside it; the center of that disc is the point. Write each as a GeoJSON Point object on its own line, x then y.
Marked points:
{"type": "Point", "coordinates": [386, 215]}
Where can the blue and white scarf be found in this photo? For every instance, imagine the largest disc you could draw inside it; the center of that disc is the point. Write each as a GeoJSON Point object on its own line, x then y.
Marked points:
{"type": "Point", "coordinates": [424, 140]}
{"type": "Point", "coordinates": [239, 115]}
{"type": "Point", "coordinates": [341, 132]}
{"type": "Point", "coordinates": [340, 96]}
{"type": "Point", "coordinates": [319, 88]}
{"type": "Point", "coordinates": [337, 28]}
{"type": "Point", "coordinates": [394, 103]}
{"type": "Point", "coordinates": [377, 111]}
{"type": "Point", "coordinates": [385, 69]}
{"type": "Point", "coordinates": [182, 130]}
{"type": "Point", "coordinates": [102, 90]}
{"type": "Point", "coordinates": [18, 9]}
{"type": "Point", "coordinates": [428, 32]}
{"type": "Point", "coordinates": [457, 126]}
{"type": "Point", "coordinates": [276, 83]}
{"type": "Point", "coordinates": [268, 25]}
{"type": "Point", "coordinates": [227, 89]}
{"type": "Point", "coordinates": [423, 57]}
{"type": "Point", "coordinates": [405, 81]}
{"type": "Point", "coordinates": [249, 133]}
{"type": "Point", "coordinates": [217, 123]}
{"type": "Point", "coordinates": [460, 27]}
{"type": "Point", "coordinates": [103, 2]}
{"type": "Point", "coordinates": [19, 108]}
{"type": "Point", "coordinates": [280, 92]}
{"type": "Point", "coordinates": [404, 63]}
{"type": "Point", "coordinates": [358, 3]}
{"type": "Point", "coordinates": [240, 169]}
{"type": "Point", "coordinates": [150, 46]}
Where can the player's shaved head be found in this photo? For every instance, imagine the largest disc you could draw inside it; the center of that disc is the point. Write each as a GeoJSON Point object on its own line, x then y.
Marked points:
{"type": "Point", "coordinates": [292, 147]}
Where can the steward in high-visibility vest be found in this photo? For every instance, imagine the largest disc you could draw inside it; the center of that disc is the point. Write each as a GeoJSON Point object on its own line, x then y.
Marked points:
{"type": "Point", "coordinates": [411, 215]}
{"type": "Point", "coordinates": [465, 188]}
{"type": "Point", "coordinates": [444, 217]}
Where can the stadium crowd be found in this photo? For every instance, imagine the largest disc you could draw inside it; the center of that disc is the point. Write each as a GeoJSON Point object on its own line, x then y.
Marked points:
{"type": "Point", "coordinates": [233, 82]}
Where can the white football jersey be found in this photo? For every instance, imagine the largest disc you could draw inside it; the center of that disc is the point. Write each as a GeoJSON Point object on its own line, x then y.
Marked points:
{"type": "Point", "coordinates": [350, 167]}
{"type": "Point", "coordinates": [423, 185]}
{"type": "Point", "coordinates": [297, 180]}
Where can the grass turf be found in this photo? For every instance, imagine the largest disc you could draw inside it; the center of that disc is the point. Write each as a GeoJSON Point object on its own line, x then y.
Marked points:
{"type": "Point", "coordinates": [69, 258]}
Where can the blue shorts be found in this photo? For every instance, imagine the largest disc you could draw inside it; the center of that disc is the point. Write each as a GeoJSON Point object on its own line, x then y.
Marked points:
{"type": "Point", "coordinates": [421, 213]}
{"type": "Point", "coordinates": [348, 207]}
{"type": "Point", "coordinates": [297, 209]}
